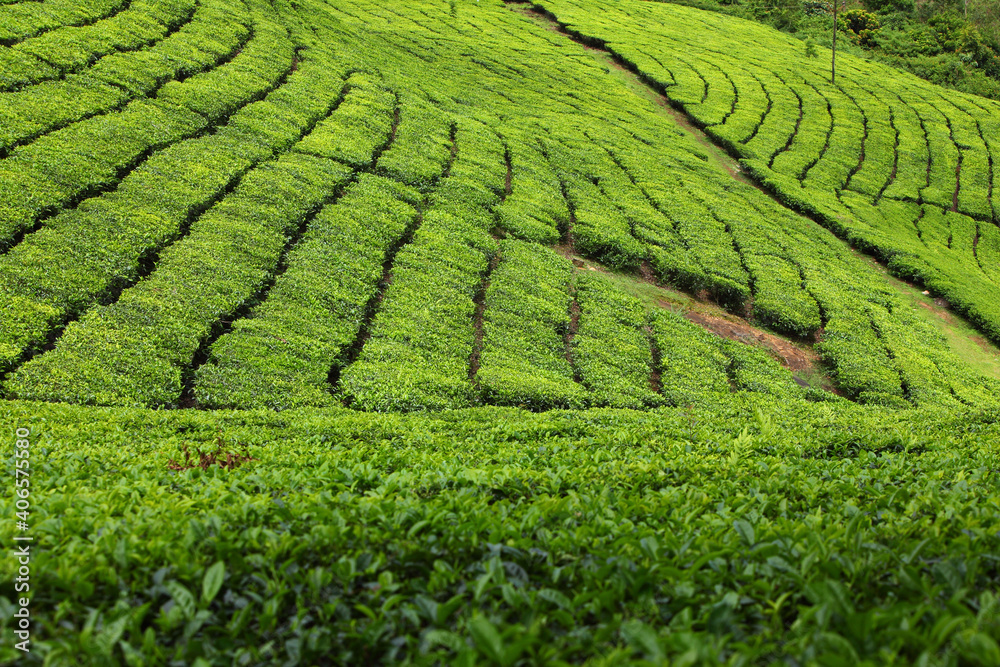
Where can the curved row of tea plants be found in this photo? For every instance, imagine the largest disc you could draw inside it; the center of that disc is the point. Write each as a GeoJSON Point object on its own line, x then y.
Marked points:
{"type": "Point", "coordinates": [90, 253]}
{"type": "Point", "coordinates": [62, 51]}
{"type": "Point", "coordinates": [26, 19]}
{"type": "Point", "coordinates": [216, 31]}
{"type": "Point", "coordinates": [113, 229]}
{"type": "Point", "coordinates": [94, 155]}
{"type": "Point", "coordinates": [346, 202]}
{"type": "Point", "coordinates": [871, 156]}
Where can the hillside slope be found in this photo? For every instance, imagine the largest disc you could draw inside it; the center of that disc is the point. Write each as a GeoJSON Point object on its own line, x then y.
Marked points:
{"type": "Point", "coordinates": [345, 332]}
{"type": "Point", "coordinates": [897, 166]}
{"type": "Point", "coordinates": [321, 211]}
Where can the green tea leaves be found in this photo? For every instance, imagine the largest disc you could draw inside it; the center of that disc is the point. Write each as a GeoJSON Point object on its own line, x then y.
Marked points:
{"type": "Point", "coordinates": [745, 531]}
{"type": "Point", "coordinates": [212, 583]}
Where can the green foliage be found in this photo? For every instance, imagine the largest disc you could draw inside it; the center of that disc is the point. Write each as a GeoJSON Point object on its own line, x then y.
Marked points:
{"type": "Point", "coordinates": [360, 124]}
{"type": "Point", "coordinates": [535, 209]}
{"type": "Point", "coordinates": [422, 337]}
{"type": "Point", "coordinates": [91, 155]}
{"type": "Point", "coordinates": [144, 22]}
{"type": "Point", "coordinates": [110, 49]}
{"type": "Point", "coordinates": [887, 6]}
{"type": "Point", "coordinates": [953, 43]}
{"type": "Point", "coordinates": [852, 342]}
{"type": "Point", "coordinates": [298, 205]}
{"type": "Point", "coordinates": [97, 248]}
{"type": "Point", "coordinates": [527, 318]}
{"type": "Point", "coordinates": [611, 347]}
{"type": "Point", "coordinates": [84, 157]}
{"type": "Point", "coordinates": [27, 19]}
{"type": "Point", "coordinates": [217, 30]}
{"type": "Point", "coordinates": [134, 352]}
{"type": "Point", "coordinates": [753, 369]}
{"type": "Point", "coordinates": [693, 366]}
{"type": "Point", "coordinates": [698, 367]}
{"type": "Point", "coordinates": [853, 157]}
{"type": "Point", "coordinates": [258, 68]}
{"type": "Point", "coordinates": [280, 356]}
{"type": "Point", "coordinates": [422, 146]}
{"type": "Point", "coordinates": [498, 535]}
{"type": "Point", "coordinates": [862, 25]}
{"type": "Point", "coordinates": [601, 171]}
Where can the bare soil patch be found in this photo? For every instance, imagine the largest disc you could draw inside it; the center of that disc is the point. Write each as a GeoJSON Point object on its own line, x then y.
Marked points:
{"type": "Point", "coordinates": [792, 356]}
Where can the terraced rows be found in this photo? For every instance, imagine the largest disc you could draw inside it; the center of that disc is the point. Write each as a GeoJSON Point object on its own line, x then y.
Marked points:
{"type": "Point", "coordinates": [59, 169]}
{"type": "Point", "coordinates": [23, 20]}
{"type": "Point", "coordinates": [429, 205]}
{"type": "Point", "coordinates": [188, 40]}
{"type": "Point", "coordinates": [349, 203]}
{"type": "Point", "coordinates": [870, 157]}
{"type": "Point", "coordinates": [60, 52]}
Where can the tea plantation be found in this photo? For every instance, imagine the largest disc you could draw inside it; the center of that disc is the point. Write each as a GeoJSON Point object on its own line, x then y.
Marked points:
{"type": "Point", "coordinates": [470, 332]}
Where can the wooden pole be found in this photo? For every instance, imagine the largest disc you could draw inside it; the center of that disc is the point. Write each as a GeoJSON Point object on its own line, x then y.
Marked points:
{"type": "Point", "coordinates": [833, 60]}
